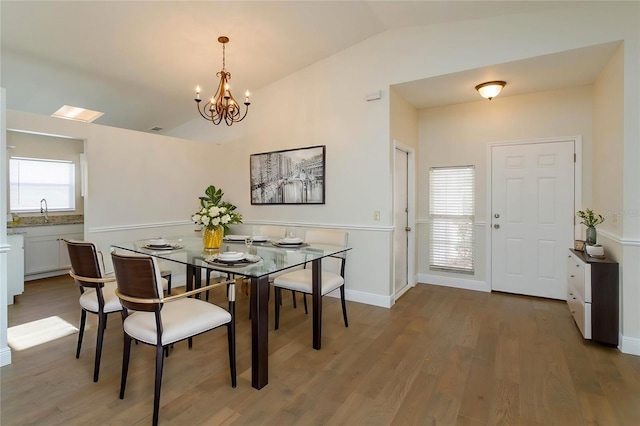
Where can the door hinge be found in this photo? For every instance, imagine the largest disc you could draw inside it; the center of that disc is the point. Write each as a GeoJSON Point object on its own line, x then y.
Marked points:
{"type": "Point", "coordinates": [574, 157]}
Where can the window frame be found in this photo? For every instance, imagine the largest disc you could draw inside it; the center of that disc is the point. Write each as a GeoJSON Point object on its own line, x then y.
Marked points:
{"type": "Point", "coordinates": [70, 185]}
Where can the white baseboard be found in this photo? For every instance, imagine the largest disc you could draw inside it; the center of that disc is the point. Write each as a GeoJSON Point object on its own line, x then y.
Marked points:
{"type": "Point", "coordinates": [364, 297]}
{"type": "Point", "coordinates": [629, 345]}
{"type": "Point", "coordinates": [5, 356]}
{"type": "Point", "coordinates": [402, 291]}
{"type": "Point", "coordinates": [462, 283]}
{"type": "Point", "coordinates": [49, 274]}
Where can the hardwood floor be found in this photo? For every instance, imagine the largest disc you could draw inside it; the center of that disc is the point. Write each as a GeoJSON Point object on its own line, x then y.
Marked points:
{"type": "Point", "coordinates": [439, 356]}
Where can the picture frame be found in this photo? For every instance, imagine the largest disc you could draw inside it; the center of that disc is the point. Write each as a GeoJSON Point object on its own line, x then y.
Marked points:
{"type": "Point", "coordinates": [290, 176]}
{"type": "Point", "coordinates": [579, 245]}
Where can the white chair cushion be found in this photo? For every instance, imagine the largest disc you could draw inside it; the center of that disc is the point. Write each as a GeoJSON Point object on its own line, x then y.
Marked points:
{"type": "Point", "coordinates": [181, 318]}
{"type": "Point", "coordinates": [165, 283]}
{"type": "Point", "coordinates": [300, 280]}
{"type": "Point", "coordinates": [89, 300]}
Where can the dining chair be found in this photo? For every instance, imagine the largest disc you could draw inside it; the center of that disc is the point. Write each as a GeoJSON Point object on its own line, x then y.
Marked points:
{"type": "Point", "coordinates": [332, 272]}
{"type": "Point", "coordinates": [150, 318]}
{"type": "Point", "coordinates": [97, 292]}
{"type": "Point", "coordinates": [165, 272]}
{"type": "Point", "coordinates": [275, 233]}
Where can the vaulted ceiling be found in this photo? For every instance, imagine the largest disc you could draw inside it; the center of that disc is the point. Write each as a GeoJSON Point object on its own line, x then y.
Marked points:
{"type": "Point", "coordinates": [139, 61]}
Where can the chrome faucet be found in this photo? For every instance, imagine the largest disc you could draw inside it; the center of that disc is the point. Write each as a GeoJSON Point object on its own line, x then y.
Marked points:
{"type": "Point", "coordinates": [44, 210]}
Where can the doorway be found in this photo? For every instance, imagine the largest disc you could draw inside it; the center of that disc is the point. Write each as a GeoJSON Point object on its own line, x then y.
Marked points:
{"type": "Point", "coordinates": [532, 198]}
{"type": "Point", "coordinates": [403, 219]}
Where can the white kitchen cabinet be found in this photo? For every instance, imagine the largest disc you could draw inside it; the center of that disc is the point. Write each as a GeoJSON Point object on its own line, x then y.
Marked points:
{"type": "Point", "coordinates": [42, 254]}
{"type": "Point", "coordinates": [45, 251]}
{"type": "Point", "coordinates": [15, 267]}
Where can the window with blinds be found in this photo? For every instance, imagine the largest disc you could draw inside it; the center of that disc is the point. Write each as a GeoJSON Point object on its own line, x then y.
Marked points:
{"type": "Point", "coordinates": [451, 209]}
{"type": "Point", "coordinates": [32, 179]}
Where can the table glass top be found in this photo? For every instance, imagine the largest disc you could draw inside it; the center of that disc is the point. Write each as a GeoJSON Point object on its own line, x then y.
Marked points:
{"type": "Point", "coordinates": [262, 259]}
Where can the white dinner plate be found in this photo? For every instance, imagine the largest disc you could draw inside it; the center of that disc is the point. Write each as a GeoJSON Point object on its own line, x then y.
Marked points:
{"type": "Point", "coordinates": [244, 261]}
{"type": "Point", "coordinates": [170, 246]}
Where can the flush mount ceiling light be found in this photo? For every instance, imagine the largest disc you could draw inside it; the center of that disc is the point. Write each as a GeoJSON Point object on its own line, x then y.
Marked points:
{"type": "Point", "coordinates": [222, 106]}
{"type": "Point", "coordinates": [77, 114]}
{"type": "Point", "coordinates": [490, 89]}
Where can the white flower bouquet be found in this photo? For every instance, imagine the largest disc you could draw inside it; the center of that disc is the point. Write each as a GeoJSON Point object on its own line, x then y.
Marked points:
{"type": "Point", "coordinates": [214, 212]}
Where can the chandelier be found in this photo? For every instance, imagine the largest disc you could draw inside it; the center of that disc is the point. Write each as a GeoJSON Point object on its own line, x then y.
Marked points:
{"type": "Point", "coordinates": [222, 106]}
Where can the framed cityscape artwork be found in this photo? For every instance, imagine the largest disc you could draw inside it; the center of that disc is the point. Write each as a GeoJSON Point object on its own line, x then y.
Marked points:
{"type": "Point", "coordinates": [292, 176]}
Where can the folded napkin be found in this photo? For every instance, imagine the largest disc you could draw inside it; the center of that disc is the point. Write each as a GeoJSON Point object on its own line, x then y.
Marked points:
{"type": "Point", "coordinates": [291, 240]}
{"type": "Point", "coordinates": [158, 242]}
{"type": "Point", "coordinates": [235, 237]}
{"type": "Point", "coordinates": [231, 255]}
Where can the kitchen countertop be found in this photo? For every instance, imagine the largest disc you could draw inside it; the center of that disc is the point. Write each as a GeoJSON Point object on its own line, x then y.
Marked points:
{"type": "Point", "coordinates": [28, 221]}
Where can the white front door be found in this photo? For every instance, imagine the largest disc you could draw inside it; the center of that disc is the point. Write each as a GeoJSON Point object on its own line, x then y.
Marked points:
{"type": "Point", "coordinates": [532, 211]}
{"type": "Point", "coordinates": [401, 221]}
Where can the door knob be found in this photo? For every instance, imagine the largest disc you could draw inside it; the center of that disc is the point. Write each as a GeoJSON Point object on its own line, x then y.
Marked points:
{"type": "Point", "coordinates": [407, 228]}
{"type": "Point", "coordinates": [496, 226]}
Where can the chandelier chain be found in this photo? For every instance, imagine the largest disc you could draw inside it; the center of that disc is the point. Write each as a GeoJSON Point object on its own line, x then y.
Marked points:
{"type": "Point", "coordinates": [224, 68]}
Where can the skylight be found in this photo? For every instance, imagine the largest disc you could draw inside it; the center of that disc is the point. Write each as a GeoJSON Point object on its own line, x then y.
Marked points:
{"type": "Point", "coordinates": [77, 114]}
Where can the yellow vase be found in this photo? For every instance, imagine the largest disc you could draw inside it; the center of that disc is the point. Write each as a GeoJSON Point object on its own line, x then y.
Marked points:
{"type": "Point", "coordinates": [212, 237]}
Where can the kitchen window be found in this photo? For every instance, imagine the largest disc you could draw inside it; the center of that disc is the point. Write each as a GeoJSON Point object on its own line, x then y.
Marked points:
{"type": "Point", "coordinates": [34, 179]}
{"type": "Point", "coordinates": [451, 211]}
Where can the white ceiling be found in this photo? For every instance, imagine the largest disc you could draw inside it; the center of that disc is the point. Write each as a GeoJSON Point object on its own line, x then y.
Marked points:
{"type": "Point", "coordinates": [571, 68]}
{"type": "Point", "coordinates": [139, 61]}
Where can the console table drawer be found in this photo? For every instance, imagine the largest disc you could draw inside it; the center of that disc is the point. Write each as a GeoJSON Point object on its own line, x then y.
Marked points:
{"type": "Point", "coordinates": [580, 311]}
{"type": "Point", "coordinates": [579, 276]}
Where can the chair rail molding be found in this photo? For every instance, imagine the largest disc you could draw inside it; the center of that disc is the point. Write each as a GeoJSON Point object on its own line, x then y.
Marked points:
{"type": "Point", "coordinates": [323, 225]}
{"type": "Point", "coordinates": [119, 228]}
{"type": "Point", "coordinates": [427, 221]}
{"type": "Point", "coordinates": [619, 239]}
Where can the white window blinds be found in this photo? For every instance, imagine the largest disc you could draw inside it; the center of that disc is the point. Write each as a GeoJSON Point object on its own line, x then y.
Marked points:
{"type": "Point", "coordinates": [452, 209]}
{"type": "Point", "coordinates": [32, 179]}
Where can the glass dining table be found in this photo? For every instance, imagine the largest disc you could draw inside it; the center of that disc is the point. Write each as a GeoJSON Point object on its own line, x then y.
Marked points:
{"type": "Point", "coordinates": [261, 260]}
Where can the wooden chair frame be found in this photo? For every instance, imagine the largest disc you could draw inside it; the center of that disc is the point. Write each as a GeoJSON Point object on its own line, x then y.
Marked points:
{"type": "Point", "coordinates": [278, 295]}
{"type": "Point", "coordinates": [160, 349]}
{"type": "Point", "coordinates": [97, 284]}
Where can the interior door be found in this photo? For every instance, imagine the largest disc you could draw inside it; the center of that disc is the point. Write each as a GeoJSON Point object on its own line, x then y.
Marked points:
{"type": "Point", "coordinates": [401, 220]}
{"type": "Point", "coordinates": [532, 210]}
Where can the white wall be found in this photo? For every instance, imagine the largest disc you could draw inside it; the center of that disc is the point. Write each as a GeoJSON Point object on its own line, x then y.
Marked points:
{"type": "Point", "coordinates": [403, 119]}
{"type": "Point", "coordinates": [608, 166]}
{"type": "Point", "coordinates": [5, 351]}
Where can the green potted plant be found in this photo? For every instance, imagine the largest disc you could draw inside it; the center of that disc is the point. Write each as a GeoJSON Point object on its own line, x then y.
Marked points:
{"type": "Point", "coordinates": [590, 220]}
{"type": "Point", "coordinates": [215, 216]}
